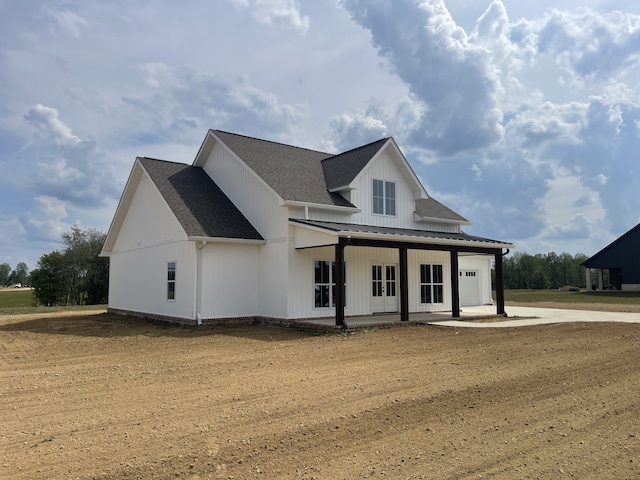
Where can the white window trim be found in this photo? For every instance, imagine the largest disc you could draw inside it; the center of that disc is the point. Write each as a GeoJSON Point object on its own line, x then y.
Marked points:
{"type": "Point", "coordinates": [384, 198]}
{"type": "Point", "coordinates": [331, 283]}
{"type": "Point", "coordinates": [174, 281]}
{"type": "Point", "coordinates": [431, 284]}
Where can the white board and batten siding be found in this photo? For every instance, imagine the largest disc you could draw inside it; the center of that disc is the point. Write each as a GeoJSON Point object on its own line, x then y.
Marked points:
{"type": "Point", "coordinates": [386, 169]}
{"type": "Point", "coordinates": [359, 262]}
{"type": "Point", "coordinates": [230, 285]}
{"type": "Point", "coordinates": [257, 202]}
{"type": "Point", "coordinates": [150, 237]}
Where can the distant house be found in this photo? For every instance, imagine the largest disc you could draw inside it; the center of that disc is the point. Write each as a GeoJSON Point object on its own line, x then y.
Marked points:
{"type": "Point", "coordinates": [621, 259]}
{"type": "Point", "coordinates": [255, 229]}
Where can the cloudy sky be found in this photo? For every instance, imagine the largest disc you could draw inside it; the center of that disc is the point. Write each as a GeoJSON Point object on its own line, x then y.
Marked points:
{"type": "Point", "coordinates": [524, 117]}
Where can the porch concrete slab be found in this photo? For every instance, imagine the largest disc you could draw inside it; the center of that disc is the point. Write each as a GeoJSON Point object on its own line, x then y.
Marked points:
{"type": "Point", "coordinates": [393, 319]}
{"type": "Point", "coordinates": [536, 316]}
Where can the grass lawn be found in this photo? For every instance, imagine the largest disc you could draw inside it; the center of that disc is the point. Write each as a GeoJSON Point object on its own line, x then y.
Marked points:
{"type": "Point", "coordinates": [606, 296]}
{"type": "Point", "coordinates": [22, 301]}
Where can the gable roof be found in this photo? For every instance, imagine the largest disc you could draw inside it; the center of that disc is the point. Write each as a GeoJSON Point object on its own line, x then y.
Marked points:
{"type": "Point", "coordinates": [430, 208]}
{"type": "Point", "coordinates": [340, 170]}
{"type": "Point", "coordinates": [294, 173]}
{"type": "Point", "coordinates": [617, 253]}
{"type": "Point", "coordinates": [202, 209]}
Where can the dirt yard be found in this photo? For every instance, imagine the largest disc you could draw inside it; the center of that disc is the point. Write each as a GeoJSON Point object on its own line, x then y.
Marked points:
{"type": "Point", "coordinates": [101, 397]}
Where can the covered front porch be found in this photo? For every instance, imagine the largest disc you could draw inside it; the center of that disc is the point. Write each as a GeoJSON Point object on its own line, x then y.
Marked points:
{"type": "Point", "coordinates": [340, 237]}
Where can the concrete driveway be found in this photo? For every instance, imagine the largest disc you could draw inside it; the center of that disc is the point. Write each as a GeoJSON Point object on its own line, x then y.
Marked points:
{"type": "Point", "coordinates": [537, 316]}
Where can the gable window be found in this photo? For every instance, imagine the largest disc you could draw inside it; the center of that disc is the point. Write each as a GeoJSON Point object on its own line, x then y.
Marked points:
{"type": "Point", "coordinates": [384, 197]}
{"type": "Point", "coordinates": [431, 284]}
{"type": "Point", "coordinates": [171, 281]}
{"type": "Point", "coordinates": [324, 283]}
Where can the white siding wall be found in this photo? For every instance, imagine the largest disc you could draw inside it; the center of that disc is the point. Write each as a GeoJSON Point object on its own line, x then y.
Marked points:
{"type": "Point", "coordinates": [481, 263]}
{"type": "Point", "coordinates": [383, 168]}
{"type": "Point", "coordinates": [149, 238]}
{"type": "Point", "coordinates": [230, 280]}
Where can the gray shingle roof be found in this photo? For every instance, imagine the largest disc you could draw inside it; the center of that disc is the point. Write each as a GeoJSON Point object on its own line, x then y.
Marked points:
{"type": "Point", "coordinates": [341, 169]}
{"type": "Point", "coordinates": [200, 206]}
{"type": "Point", "coordinates": [430, 208]}
{"type": "Point", "coordinates": [294, 173]}
{"type": "Point", "coordinates": [404, 232]}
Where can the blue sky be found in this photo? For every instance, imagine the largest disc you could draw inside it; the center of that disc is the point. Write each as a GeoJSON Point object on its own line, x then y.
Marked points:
{"type": "Point", "coordinates": [524, 117]}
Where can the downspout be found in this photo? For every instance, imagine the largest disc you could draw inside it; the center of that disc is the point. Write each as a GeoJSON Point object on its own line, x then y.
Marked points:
{"type": "Point", "coordinates": [199, 282]}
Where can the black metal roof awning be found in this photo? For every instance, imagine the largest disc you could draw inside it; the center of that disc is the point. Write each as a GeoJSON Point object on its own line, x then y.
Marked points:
{"type": "Point", "coordinates": [404, 235]}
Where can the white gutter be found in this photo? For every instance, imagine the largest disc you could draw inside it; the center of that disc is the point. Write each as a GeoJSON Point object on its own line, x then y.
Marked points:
{"type": "Point", "coordinates": [320, 206]}
{"type": "Point", "coordinates": [249, 241]}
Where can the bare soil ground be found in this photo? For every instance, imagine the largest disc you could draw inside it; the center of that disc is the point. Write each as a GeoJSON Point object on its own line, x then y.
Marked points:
{"type": "Point", "coordinates": [97, 396]}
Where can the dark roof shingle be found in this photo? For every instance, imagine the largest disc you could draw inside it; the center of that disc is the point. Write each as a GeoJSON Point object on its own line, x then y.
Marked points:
{"type": "Point", "coordinates": [200, 206]}
{"type": "Point", "coordinates": [294, 173]}
{"type": "Point", "coordinates": [431, 208]}
{"type": "Point", "coordinates": [341, 169]}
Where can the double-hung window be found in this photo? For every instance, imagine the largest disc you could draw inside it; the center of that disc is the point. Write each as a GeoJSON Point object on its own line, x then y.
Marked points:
{"type": "Point", "coordinates": [324, 283]}
{"type": "Point", "coordinates": [384, 197]}
{"type": "Point", "coordinates": [431, 284]}
{"type": "Point", "coordinates": [171, 281]}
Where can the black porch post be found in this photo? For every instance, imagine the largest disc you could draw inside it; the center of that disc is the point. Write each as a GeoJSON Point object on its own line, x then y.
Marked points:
{"type": "Point", "coordinates": [339, 274]}
{"type": "Point", "coordinates": [404, 286]}
{"type": "Point", "coordinates": [455, 285]}
{"type": "Point", "coordinates": [499, 284]}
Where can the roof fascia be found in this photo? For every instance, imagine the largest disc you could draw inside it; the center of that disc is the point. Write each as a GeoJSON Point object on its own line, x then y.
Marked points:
{"type": "Point", "coordinates": [123, 207]}
{"type": "Point", "coordinates": [418, 218]}
{"type": "Point", "coordinates": [247, 241]}
{"type": "Point", "coordinates": [205, 150]}
{"type": "Point", "coordinates": [435, 241]}
{"type": "Point", "coordinates": [403, 165]}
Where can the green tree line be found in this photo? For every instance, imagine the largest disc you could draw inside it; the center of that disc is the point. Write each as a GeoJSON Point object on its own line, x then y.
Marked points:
{"type": "Point", "coordinates": [74, 275]}
{"type": "Point", "coordinates": [543, 271]}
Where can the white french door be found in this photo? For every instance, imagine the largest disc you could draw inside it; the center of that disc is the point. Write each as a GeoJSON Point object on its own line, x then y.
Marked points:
{"type": "Point", "coordinates": [384, 297]}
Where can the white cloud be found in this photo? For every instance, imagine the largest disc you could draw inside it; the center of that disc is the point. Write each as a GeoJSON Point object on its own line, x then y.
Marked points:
{"type": "Point", "coordinates": [48, 120]}
{"type": "Point", "coordinates": [591, 45]}
{"type": "Point", "coordinates": [449, 75]}
{"type": "Point", "coordinates": [284, 13]}
{"type": "Point", "coordinates": [69, 21]}
{"type": "Point", "coordinates": [46, 220]}
{"type": "Point", "coordinates": [59, 164]}
{"type": "Point", "coordinates": [183, 103]}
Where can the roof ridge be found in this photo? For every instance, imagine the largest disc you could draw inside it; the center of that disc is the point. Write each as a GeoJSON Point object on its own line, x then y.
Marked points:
{"type": "Point", "coordinates": [357, 148]}
{"type": "Point", "coordinates": [166, 161]}
{"type": "Point", "coordinates": [271, 141]}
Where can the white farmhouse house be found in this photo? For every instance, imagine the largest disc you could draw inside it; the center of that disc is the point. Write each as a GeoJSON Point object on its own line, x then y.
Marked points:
{"type": "Point", "coordinates": [261, 230]}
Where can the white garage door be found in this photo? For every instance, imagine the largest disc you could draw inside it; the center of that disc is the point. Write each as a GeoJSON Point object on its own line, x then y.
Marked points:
{"type": "Point", "coordinates": [469, 288]}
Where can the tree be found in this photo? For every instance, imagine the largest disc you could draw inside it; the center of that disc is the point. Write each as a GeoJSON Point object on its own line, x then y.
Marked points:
{"type": "Point", "coordinates": [86, 274]}
{"type": "Point", "coordinates": [20, 274]}
{"type": "Point", "coordinates": [48, 281]}
{"type": "Point", "coordinates": [5, 271]}
{"type": "Point", "coordinates": [542, 271]}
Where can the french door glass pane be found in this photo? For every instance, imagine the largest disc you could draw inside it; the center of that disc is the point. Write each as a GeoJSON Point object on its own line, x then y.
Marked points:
{"type": "Point", "coordinates": [376, 276]}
